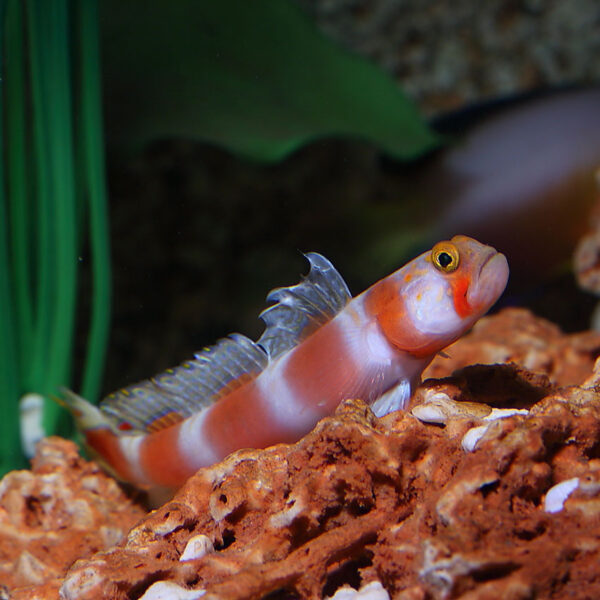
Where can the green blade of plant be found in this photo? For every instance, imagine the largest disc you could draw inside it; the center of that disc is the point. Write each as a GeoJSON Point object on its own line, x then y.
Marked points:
{"type": "Point", "coordinates": [92, 174]}
{"type": "Point", "coordinates": [17, 176]}
{"type": "Point", "coordinates": [53, 144]}
{"type": "Point", "coordinates": [10, 451]}
{"type": "Point", "coordinates": [255, 77]}
{"type": "Point", "coordinates": [34, 374]}
{"type": "Point", "coordinates": [10, 448]}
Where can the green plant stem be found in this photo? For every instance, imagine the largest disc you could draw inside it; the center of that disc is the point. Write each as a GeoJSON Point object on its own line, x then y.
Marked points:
{"type": "Point", "coordinates": [16, 176]}
{"type": "Point", "coordinates": [34, 376]}
{"type": "Point", "coordinates": [93, 171]}
{"type": "Point", "coordinates": [49, 33]}
{"type": "Point", "coordinates": [10, 455]}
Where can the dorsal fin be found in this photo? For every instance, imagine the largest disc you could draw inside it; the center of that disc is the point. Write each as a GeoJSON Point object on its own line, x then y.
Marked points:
{"type": "Point", "coordinates": [303, 308]}
{"type": "Point", "coordinates": [180, 392]}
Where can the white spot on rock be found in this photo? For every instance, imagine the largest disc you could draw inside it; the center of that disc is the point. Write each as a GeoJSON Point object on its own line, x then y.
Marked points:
{"type": "Point", "coordinates": [371, 591]}
{"type": "Point", "coordinates": [197, 547]}
{"type": "Point", "coordinates": [502, 413]}
{"type": "Point", "coordinates": [429, 413]}
{"type": "Point", "coordinates": [557, 494]}
{"type": "Point", "coordinates": [30, 570]}
{"type": "Point", "coordinates": [472, 436]}
{"type": "Point", "coordinates": [167, 590]}
{"type": "Point", "coordinates": [286, 516]}
{"type": "Point", "coordinates": [110, 535]}
{"type": "Point", "coordinates": [431, 396]}
{"type": "Point", "coordinates": [80, 583]}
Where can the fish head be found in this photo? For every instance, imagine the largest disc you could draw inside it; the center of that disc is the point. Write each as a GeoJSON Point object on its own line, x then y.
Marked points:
{"type": "Point", "coordinates": [453, 285]}
{"type": "Point", "coordinates": [438, 296]}
{"type": "Point", "coordinates": [474, 274]}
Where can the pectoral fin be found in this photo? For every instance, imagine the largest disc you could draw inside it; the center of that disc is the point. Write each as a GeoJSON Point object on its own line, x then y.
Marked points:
{"type": "Point", "coordinates": [395, 398]}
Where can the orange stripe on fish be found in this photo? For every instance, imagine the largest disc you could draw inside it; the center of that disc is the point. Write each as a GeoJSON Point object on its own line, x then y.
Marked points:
{"type": "Point", "coordinates": [319, 347]}
{"type": "Point", "coordinates": [459, 295]}
{"type": "Point", "coordinates": [156, 456]}
{"type": "Point", "coordinates": [107, 447]}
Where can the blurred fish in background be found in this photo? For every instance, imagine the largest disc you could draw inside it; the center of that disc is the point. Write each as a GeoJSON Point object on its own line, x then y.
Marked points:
{"type": "Point", "coordinates": [520, 174]}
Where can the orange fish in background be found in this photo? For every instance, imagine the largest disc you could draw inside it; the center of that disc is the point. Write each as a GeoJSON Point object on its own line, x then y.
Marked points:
{"type": "Point", "coordinates": [320, 346]}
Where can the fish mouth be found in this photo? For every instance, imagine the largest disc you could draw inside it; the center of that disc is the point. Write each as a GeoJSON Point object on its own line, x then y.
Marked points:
{"type": "Point", "coordinates": [491, 281]}
{"type": "Point", "coordinates": [490, 255]}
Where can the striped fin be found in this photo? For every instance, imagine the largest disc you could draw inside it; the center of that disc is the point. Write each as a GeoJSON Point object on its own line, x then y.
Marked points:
{"type": "Point", "coordinates": [303, 308]}
{"type": "Point", "coordinates": [178, 393]}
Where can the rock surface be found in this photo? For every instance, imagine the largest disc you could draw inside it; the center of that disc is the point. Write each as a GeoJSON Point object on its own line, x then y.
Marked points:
{"type": "Point", "coordinates": [515, 336]}
{"type": "Point", "coordinates": [394, 506]}
{"type": "Point", "coordinates": [65, 507]}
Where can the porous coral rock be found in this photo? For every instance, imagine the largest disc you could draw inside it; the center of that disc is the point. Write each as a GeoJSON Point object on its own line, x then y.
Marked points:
{"type": "Point", "coordinates": [393, 500]}
{"type": "Point", "coordinates": [292, 517]}
{"type": "Point", "coordinates": [63, 508]}
{"type": "Point", "coordinates": [396, 500]}
{"type": "Point", "coordinates": [516, 336]}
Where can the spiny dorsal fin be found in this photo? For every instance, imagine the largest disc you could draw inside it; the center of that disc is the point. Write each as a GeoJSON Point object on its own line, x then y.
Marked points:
{"type": "Point", "coordinates": [178, 393]}
{"type": "Point", "coordinates": [303, 308]}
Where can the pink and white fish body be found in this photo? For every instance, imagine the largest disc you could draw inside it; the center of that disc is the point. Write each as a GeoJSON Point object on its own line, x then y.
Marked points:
{"type": "Point", "coordinates": [319, 347]}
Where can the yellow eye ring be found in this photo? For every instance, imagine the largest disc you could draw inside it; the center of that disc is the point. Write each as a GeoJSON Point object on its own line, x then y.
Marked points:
{"type": "Point", "coordinates": [445, 257]}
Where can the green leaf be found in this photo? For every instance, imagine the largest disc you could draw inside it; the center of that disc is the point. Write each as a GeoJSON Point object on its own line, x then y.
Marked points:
{"type": "Point", "coordinates": [253, 76]}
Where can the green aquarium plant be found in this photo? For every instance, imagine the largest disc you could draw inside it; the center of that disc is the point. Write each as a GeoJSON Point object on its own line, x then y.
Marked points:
{"type": "Point", "coordinates": [256, 77]}
{"type": "Point", "coordinates": [52, 201]}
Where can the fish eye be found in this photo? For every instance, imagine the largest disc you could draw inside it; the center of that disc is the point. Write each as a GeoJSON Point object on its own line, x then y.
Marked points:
{"type": "Point", "coordinates": [445, 257]}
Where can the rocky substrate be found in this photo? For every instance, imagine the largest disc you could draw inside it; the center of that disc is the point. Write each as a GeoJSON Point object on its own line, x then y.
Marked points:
{"type": "Point", "coordinates": [64, 508]}
{"type": "Point", "coordinates": [487, 487]}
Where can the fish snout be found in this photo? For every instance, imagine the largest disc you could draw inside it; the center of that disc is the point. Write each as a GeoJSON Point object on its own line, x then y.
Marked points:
{"type": "Point", "coordinates": [490, 282]}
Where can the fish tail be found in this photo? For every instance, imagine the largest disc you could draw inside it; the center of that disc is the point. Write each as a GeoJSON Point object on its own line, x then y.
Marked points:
{"type": "Point", "coordinates": [87, 416]}
{"type": "Point", "coordinates": [102, 438]}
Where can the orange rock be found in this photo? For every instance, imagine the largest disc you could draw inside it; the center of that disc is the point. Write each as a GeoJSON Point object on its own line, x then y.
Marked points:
{"type": "Point", "coordinates": [391, 500]}
{"type": "Point", "coordinates": [65, 507]}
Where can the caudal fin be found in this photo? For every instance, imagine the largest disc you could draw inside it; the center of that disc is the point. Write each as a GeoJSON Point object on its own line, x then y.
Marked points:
{"type": "Point", "coordinates": [87, 416]}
